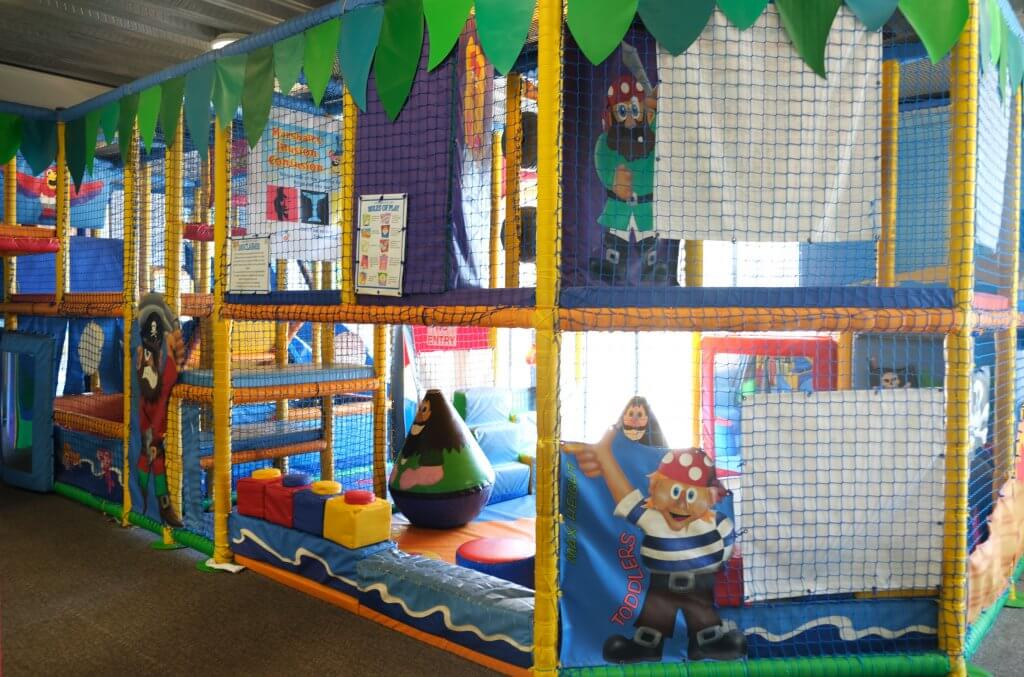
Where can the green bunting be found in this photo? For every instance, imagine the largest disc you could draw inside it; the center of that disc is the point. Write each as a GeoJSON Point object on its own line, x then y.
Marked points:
{"type": "Point", "coordinates": [258, 93]}
{"type": "Point", "coordinates": [937, 22]}
{"type": "Point", "coordinates": [125, 124]}
{"type": "Point", "coordinates": [675, 25]}
{"type": "Point", "coordinates": [992, 18]}
{"type": "Point", "coordinates": [873, 13]}
{"type": "Point", "coordinates": [398, 53]}
{"type": "Point", "coordinates": [1015, 61]}
{"type": "Point", "coordinates": [288, 61]}
{"type": "Point", "coordinates": [318, 57]}
{"type": "Point", "coordinates": [92, 130]}
{"type": "Point", "coordinates": [227, 87]}
{"type": "Point", "coordinates": [808, 25]}
{"type": "Point", "coordinates": [742, 13]}
{"type": "Point", "coordinates": [360, 30]}
{"type": "Point", "coordinates": [503, 26]}
{"type": "Point", "coordinates": [38, 144]}
{"type": "Point", "coordinates": [598, 26]}
{"type": "Point", "coordinates": [172, 93]}
{"type": "Point", "coordinates": [198, 90]}
{"type": "Point", "coordinates": [108, 120]}
{"type": "Point", "coordinates": [149, 111]}
{"type": "Point", "coordinates": [445, 21]}
{"type": "Point", "coordinates": [10, 136]}
{"type": "Point", "coordinates": [74, 143]}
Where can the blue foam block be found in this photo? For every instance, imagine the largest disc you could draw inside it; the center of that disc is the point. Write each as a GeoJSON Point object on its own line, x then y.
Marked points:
{"type": "Point", "coordinates": [293, 374]}
{"type": "Point", "coordinates": [308, 513]}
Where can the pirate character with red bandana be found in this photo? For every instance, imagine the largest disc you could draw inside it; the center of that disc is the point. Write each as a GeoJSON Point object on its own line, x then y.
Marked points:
{"type": "Point", "coordinates": [685, 541]}
{"type": "Point", "coordinates": [624, 160]}
{"type": "Point", "coordinates": [157, 362]}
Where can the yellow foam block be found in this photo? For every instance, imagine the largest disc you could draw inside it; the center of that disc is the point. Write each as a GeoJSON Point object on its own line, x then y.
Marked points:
{"type": "Point", "coordinates": [356, 526]}
{"type": "Point", "coordinates": [326, 487]}
{"type": "Point", "coordinates": [266, 473]}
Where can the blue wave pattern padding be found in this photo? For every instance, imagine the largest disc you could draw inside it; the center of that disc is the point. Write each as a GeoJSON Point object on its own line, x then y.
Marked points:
{"type": "Point", "coordinates": [282, 376]}
{"type": "Point", "coordinates": [319, 560]}
{"type": "Point", "coordinates": [467, 601]}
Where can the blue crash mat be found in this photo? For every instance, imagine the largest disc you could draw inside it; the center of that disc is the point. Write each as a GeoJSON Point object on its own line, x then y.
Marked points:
{"type": "Point", "coordinates": [279, 376]}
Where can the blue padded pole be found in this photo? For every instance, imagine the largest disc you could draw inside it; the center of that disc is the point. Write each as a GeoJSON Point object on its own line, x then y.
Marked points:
{"type": "Point", "coordinates": [243, 46]}
{"type": "Point", "coordinates": [24, 111]}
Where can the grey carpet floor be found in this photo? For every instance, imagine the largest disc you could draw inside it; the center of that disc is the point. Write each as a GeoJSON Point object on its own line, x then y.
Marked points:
{"type": "Point", "coordinates": [80, 595]}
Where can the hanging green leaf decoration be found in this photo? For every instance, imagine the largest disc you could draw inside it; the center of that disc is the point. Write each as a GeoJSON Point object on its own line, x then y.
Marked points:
{"type": "Point", "coordinates": [937, 22]}
{"type": "Point", "coordinates": [360, 30]}
{"type": "Point", "coordinates": [172, 93]}
{"type": "Point", "coordinates": [985, 35]}
{"type": "Point", "coordinates": [38, 144]}
{"type": "Point", "coordinates": [149, 111]}
{"type": "Point", "coordinates": [675, 25]}
{"type": "Point", "coordinates": [398, 53]}
{"type": "Point", "coordinates": [125, 124]}
{"type": "Point", "coordinates": [1015, 60]}
{"type": "Point", "coordinates": [74, 143]}
{"type": "Point", "coordinates": [10, 136]}
{"type": "Point", "coordinates": [92, 130]}
{"type": "Point", "coordinates": [318, 57]}
{"type": "Point", "coordinates": [873, 13]}
{"type": "Point", "coordinates": [108, 120]}
{"type": "Point", "coordinates": [598, 26]}
{"type": "Point", "coordinates": [808, 24]}
{"type": "Point", "coordinates": [1004, 60]}
{"type": "Point", "coordinates": [258, 93]}
{"type": "Point", "coordinates": [503, 26]}
{"type": "Point", "coordinates": [288, 61]}
{"type": "Point", "coordinates": [227, 87]}
{"type": "Point", "coordinates": [198, 90]}
{"type": "Point", "coordinates": [742, 13]}
{"type": "Point", "coordinates": [445, 21]}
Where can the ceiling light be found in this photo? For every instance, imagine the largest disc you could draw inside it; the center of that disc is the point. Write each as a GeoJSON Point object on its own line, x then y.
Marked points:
{"type": "Point", "coordinates": [225, 39]}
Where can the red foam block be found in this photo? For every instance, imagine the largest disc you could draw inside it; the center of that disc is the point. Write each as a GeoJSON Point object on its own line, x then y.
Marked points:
{"type": "Point", "coordinates": [251, 493]}
{"type": "Point", "coordinates": [279, 504]}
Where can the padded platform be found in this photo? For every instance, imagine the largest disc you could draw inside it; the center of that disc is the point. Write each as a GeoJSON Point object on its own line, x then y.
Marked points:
{"type": "Point", "coordinates": [757, 297]}
{"type": "Point", "coordinates": [264, 435]}
{"type": "Point", "coordinates": [203, 232]}
{"type": "Point", "coordinates": [24, 240]}
{"type": "Point", "coordinates": [484, 613]}
{"type": "Point", "coordinates": [109, 407]}
{"type": "Point", "coordinates": [279, 376]}
{"type": "Point", "coordinates": [511, 559]}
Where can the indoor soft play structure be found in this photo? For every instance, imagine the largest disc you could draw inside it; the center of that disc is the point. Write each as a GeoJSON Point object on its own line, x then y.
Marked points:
{"type": "Point", "coordinates": [640, 336]}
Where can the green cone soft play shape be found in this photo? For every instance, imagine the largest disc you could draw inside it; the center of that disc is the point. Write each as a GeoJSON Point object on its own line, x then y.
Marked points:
{"type": "Point", "coordinates": [441, 479]}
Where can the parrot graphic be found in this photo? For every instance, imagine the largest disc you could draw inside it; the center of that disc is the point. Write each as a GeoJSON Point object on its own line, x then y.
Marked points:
{"type": "Point", "coordinates": [44, 188]}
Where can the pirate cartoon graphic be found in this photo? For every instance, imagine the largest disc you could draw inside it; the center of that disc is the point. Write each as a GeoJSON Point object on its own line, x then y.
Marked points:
{"type": "Point", "coordinates": [685, 541]}
{"type": "Point", "coordinates": [158, 360]}
{"type": "Point", "coordinates": [624, 161]}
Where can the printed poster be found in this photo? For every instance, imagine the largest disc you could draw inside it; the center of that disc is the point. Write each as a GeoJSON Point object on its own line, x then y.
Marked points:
{"type": "Point", "coordinates": [380, 251]}
{"type": "Point", "coordinates": [293, 173]}
{"type": "Point", "coordinates": [249, 272]}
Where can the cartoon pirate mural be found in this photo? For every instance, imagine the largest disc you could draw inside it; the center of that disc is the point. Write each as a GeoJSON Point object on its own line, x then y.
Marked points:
{"type": "Point", "coordinates": [159, 357]}
{"type": "Point", "coordinates": [684, 542]}
{"type": "Point", "coordinates": [624, 161]}
{"type": "Point", "coordinates": [639, 424]}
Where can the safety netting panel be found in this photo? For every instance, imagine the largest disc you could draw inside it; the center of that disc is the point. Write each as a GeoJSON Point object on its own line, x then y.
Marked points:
{"type": "Point", "coordinates": [787, 178]}
{"type": "Point", "coordinates": [286, 202]}
{"type": "Point", "coordinates": [783, 492]}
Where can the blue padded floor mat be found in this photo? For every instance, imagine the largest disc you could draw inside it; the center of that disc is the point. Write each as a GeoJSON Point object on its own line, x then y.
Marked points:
{"type": "Point", "coordinates": [757, 297]}
{"type": "Point", "coordinates": [293, 374]}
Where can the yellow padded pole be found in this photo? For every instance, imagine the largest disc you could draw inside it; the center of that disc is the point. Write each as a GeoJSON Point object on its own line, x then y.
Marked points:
{"type": "Point", "coordinates": [546, 321]}
{"type": "Point", "coordinates": [963, 148]}
{"type": "Point", "coordinates": [350, 115]}
{"type": "Point", "coordinates": [494, 250]}
{"type": "Point", "coordinates": [886, 251]}
{"type": "Point", "coordinates": [145, 228]}
{"type": "Point", "coordinates": [327, 402]}
{"type": "Point", "coordinates": [63, 205]}
{"type": "Point", "coordinates": [221, 350]}
{"type": "Point", "coordinates": [1006, 340]}
{"type": "Point", "coordinates": [281, 335]}
{"type": "Point", "coordinates": [174, 203]}
{"type": "Point", "coordinates": [10, 219]}
{"type": "Point", "coordinates": [693, 251]}
{"type": "Point", "coordinates": [130, 296]}
{"type": "Point", "coordinates": [513, 164]}
{"type": "Point", "coordinates": [380, 409]}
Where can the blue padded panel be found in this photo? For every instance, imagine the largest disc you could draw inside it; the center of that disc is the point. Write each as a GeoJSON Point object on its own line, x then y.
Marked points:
{"type": "Point", "coordinates": [315, 297]}
{"type": "Point", "coordinates": [280, 376]}
{"type": "Point", "coordinates": [511, 480]}
{"type": "Point", "coordinates": [757, 297]}
{"type": "Point", "coordinates": [484, 405]}
{"type": "Point", "coordinates": [501, 442]}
